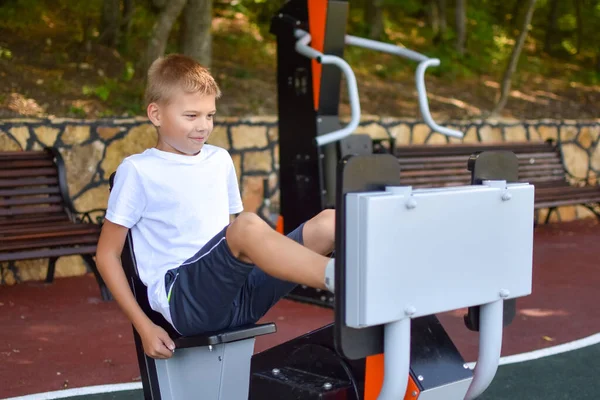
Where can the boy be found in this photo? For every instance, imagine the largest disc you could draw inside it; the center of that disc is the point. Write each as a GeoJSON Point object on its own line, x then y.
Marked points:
{"type": "Point", "coordinates": [203, 272]}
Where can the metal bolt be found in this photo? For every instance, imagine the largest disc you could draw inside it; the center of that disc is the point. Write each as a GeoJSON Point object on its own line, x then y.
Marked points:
{"type": "Point", "coordinates": [220, 358]}
{"type": "Point", "coordinates": [210, 348]}
{"type": "Point", "coordinates": [410, 310]}
{"type": "Point", "coordinates": [465, 366]}
{"type": "Point", "coordinates": [275, 371]}
{"type": "Point", "coordinates": [280, 15]}
{"type": "Point", "coordinates": [506, 196]}
{"type": "Point", "coordinates": [327, 386]}
{"type": "Point", "coordinates": [504, 293]}
{"type": "Point", "coordinates": [414, 393]}
{"type": "Point", "coordinates": [323, 298]}
{"type": "Point", "coordinates": [307, 157]}
{"type": "Point", "coordinates": [297, 22]}
{"type": "Point", "coordinates": [420, 378]}
{"type": "Point", "coordinates": [319, 120]}
{"type": "Point", "coordinates": [411, 203]}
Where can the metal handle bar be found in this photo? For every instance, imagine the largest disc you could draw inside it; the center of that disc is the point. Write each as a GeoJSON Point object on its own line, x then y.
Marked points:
{"type": "Point", "coordinates": [424, 63]}
{"type": "Point", "coordinates": [303, 48]}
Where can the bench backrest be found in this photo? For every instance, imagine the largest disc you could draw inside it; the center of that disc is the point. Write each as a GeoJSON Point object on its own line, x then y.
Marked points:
{"type": "Point", "coordinates": [32, 188]}
{"type": "Point", "coordinates": [436, 166]}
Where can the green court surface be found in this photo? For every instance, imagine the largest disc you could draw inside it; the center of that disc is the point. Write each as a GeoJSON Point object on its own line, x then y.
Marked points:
{"type": "Point", "coordinates": [570, 375]}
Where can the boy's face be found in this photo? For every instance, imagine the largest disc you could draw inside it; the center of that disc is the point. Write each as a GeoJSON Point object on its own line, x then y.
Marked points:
{"type": "Point", "coordinates": [184, 123]}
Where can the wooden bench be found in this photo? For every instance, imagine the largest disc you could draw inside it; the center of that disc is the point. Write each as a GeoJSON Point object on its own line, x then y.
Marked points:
{"type": "Point", "coordinates": [540, 164]}
{"type": "Point", "coordinates": [37, 217]}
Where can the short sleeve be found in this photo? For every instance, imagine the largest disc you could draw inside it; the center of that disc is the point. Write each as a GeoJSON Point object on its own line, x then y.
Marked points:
{"type": "Point", "coordinates": [127, 199]}
{"type": "Point", "coordinates": [235, 199]}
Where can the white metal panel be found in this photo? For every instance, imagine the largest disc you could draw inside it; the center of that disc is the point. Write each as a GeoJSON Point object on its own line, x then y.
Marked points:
{"type": "Point", "coordinates": [456, 248]}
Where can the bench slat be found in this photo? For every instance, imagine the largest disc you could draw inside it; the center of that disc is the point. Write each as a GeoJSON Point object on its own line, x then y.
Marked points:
{"type": "Point", "coordinates": [17, 164]}
{"type": "Point", "coordinates": [17, 183]}
{"type": "Point", "coordinates": [29, 154]}
{"type": "Point", "coordinates": [45, 253]}
{"type": "Point", "coordinates": [550, 204]}
{"type": "Point", "coordinates": [61, 241]}
{"type": "Point", "coordinates": [74, 230]}
{"type": "Point", "coordinates": [18, 173]}
{"type": "Point", "coordinates": [33, 219]}
{"type": "Point", "coordinates": [37, 227]}
{"type": "Point", "coordinates": [30, 210]}
{"type": "Point", "coordinates": [30, 191]}
{"type": "Point", "coordinates": [31, 200]}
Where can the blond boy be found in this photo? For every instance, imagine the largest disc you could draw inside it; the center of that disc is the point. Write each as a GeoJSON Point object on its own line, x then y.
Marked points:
{"type": "Point", "coordinates": [203, 272]}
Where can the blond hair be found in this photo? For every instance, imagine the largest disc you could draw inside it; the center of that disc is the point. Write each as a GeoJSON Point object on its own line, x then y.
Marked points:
{"type": "Point", "coordinates": [178, 71]}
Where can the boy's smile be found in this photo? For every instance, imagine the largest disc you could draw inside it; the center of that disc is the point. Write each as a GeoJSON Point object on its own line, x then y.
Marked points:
{"type": "Point", "coordinates": [184, 123]}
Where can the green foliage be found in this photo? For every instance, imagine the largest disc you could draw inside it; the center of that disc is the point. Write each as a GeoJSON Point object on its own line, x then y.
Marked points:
{"type": "Point", "coordinates": [5, 53]}
{"type": "Point", "coordinates": [77, 112]}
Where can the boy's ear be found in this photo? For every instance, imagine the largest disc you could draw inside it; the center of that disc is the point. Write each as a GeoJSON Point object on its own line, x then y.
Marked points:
{"type": "Point", "coordinates": [153, 112]}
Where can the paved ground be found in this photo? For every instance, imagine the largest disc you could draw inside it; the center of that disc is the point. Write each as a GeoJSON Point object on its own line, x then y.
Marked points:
{"type": "Point", "coordinates": [62, 336]}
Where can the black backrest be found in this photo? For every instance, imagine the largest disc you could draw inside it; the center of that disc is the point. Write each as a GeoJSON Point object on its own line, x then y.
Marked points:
{"type": "Point", "coordinates": [140, 291]}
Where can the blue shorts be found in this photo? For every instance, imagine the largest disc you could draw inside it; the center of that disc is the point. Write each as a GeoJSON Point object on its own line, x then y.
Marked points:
{"type": "Point", "coordinates": [213, 290]}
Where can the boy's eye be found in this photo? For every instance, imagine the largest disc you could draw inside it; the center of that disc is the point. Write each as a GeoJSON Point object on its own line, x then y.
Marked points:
{"type": "Point", "coordinates": [190, 115]}
{"type": "Point", "coordinates": [211, 116]}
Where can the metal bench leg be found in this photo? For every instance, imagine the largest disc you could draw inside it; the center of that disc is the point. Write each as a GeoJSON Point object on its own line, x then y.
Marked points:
{"type": "Point", "coordinates": [51, 268]}
{"type": "Point", "coordinates": [550, 211]}
{"type": "Point", "coordinates": [105, 293]}
{"type": "Point", "coordinates": [593, 209]}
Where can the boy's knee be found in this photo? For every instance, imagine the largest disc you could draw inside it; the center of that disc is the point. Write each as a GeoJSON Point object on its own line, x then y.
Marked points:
{"type": "Point", "coordinates": [244, 226]}
{"type": "Point", "coordinates": [325, 223]}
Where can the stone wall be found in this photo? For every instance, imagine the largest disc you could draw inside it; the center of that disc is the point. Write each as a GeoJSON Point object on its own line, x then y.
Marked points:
{"type": "Point", "coordinates": [93, 149]}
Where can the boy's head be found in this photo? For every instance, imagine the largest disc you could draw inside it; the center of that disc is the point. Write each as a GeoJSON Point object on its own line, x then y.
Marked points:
{"type": "Point", "coordinates": [180, 99]}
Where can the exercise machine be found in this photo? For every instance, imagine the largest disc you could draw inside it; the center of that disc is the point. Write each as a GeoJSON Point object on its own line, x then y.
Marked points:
{"type": "Point", "coordinates": [399, 260]}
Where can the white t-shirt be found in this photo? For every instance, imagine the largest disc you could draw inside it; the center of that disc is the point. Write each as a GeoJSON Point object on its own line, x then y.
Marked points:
{"type": "Point", "coordinates": [173, 205]}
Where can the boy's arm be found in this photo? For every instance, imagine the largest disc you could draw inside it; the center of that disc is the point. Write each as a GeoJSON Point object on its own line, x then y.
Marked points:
{"type": "Point", "coordinates": [157, 343]}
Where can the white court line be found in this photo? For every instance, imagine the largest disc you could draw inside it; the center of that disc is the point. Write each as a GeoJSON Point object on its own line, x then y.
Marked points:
{"type": "Point", "coordinates": [517, 358]}
{"type": "Point", "coordinates": [61, 394]}
{"type": "Point", "coordinates": [549, 351]}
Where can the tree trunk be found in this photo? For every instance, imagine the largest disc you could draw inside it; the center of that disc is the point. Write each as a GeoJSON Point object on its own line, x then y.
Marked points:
{"type": "Point", "coordinates": [111, 20]}
{"type": "Point", "coordinates": [579, 25]}
{"type": "Point", "coordinates": [161, 30]}
{"type": "Point", "coordinates": [551, 27]}
{"type": "Point", "coordinates": [514, 59]}
{"type": "Point", "coordinates": [461, 26]}
{"type": "Point", "coordinates": [373, 14]}
{"type": "Point", "coordinates": [441, 4]}
{"type": "Point", "coordinates": [196, 38]}
{"type": "Point", "coordinates": [433, 17]}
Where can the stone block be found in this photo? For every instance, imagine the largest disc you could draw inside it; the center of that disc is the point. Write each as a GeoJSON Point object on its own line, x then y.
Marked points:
{"type": "Point", "coordinates": [247, 136]}
{"type": "Point", "coordinates": [420, 133]}
{"type": "Point", "coordinates": [585, 137]}
{"type": "Point", "coordinates": [93, 198]}
{"type": "Point", "coordinates": [273, 134]}
{"type": "Point", "coordinates": [7, 143]}
{"type": "Point", "coordinates": [541, 215]}
{"type": "Point", "coordinates": [568, 133]}
{"type": "Point", "coordinates": [237, 163]}
{"type": "Point", "coordinates": [374, 130]}
{"type": "Point", "coordinates": [137, 140]}
{"type": "Point", "coordinates": [109, 132]}
{"type": "Point", "coordinates": [534, 134]}
{"type": "Point", "coordinates": [46, 135]}
{"type": "Point", "coordinates": [576, 160]}
{"type": "Point", "coordinates": [258, 161]}
{"type": "Point", "coordinates": [548, 132]}
{"type": "Point", "coordinates": [401, 133]}
{"type": "Point", "coordinates": [21, 134]}
{"type": "Point", "coordinates": [567, 213]}
{"type": "Point", "coordinates": [592, 178]}
{"type": "Point", "coordinates": [75, 134]}
{"type": "Point", "coordinates": [252, 192]}
{"type": "Point", "coordinates": [471, 135]}
{"type": "Point", "coordinates": [436, 138]}
{"type": "Point", "coordinates": [584, 212]}
{"type": "Point", "coordinates": [490, 134]}
{"type": "Point", "coordinates": [219, 137]}
{"type": "Point", "coordinates": [70, 266]}
{"type": "Point", "coordinates": [32, 270]}
{"type": "Point", "coordinates": [596, 158]}
{"type": "Point", "coordinates": [515, 133]}
{"type": "Point", "coordinates": [81, 163]}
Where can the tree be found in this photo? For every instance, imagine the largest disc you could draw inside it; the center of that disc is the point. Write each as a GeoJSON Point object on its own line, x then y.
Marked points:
{"type": "Point", "coordinates": [373, 13]}
{"type": "Point", "coordinates": [161, 29]}
{"type": "Point", "coordinates": [196, 40]}
{"type": "Point", "coordinates": [436, 14]}
{"type": "Point", "coordinates": [461, 25]}
{"type": "Point", "coordinates": [551, 27]}
{"type": "Point", "coordinates": [514, 58]}
{"type": "Point", "coordinates": [111, 20]}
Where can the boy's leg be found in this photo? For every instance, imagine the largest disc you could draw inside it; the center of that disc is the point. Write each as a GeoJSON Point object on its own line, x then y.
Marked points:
{"type": "Point", "coordinates": [253, 241]}
{"type": "Point", "coordinates": [262, 291]}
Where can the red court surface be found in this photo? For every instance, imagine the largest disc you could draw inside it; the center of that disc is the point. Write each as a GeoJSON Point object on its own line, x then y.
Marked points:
{"type": "Point", "coordinates": [62, 335]}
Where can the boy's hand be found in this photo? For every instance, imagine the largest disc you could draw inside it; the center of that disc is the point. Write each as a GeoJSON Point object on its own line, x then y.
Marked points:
{"type": "Point", "coordinates": [156, 341]}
